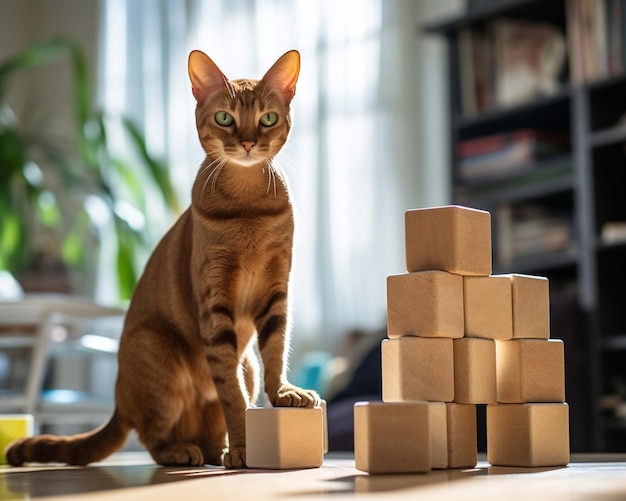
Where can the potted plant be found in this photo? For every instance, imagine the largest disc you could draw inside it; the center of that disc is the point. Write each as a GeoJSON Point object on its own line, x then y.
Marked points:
{"type": "Point", "coordinates": [53, 190]}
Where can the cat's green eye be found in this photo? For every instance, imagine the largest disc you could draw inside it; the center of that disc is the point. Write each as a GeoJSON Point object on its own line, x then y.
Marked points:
{"type": "Point", "coordinates": [269, 119]}
{"type": "Point", "coordinates": [223, 118]}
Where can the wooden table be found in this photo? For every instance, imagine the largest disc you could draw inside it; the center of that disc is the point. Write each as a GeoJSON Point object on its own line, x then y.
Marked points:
{"type": "Point", "coordinates": [134, 476]}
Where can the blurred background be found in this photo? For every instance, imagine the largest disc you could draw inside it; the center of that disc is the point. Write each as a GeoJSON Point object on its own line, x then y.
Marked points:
{"type": "Point", "coordinates": [400, 104]}
{"type": "Point", "coordinates": [356, 158]}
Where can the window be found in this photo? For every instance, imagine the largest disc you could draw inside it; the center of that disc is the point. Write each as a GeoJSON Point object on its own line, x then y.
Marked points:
{"type": "Point", "coordinates": [353, 159]}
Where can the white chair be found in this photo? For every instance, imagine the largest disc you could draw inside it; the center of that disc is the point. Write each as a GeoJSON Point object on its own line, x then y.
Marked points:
{"type": "Point", "coordinates": [52, 327]}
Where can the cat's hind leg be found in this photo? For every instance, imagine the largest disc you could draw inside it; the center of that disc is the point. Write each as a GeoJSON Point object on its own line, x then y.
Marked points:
{"type": "Point", "coordinates": [177, 455]}
{"type": "Point", "coordinates": [212, 433]}
{"type": "Point", "coordinates": [197, 438]}
{"type": "Point", "coordinates": [155, 390]}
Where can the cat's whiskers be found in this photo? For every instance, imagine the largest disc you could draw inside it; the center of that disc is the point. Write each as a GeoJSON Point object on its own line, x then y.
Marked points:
{"type": "Point", "coordinates": [214, 168]}
{"type": "Point", "coordinates": [268, 93]}
{"type": "Point", "coordinates": [207, 167]}
{"type": "Point", "coordinates": [230, 88]}
{"type": "Point", "coordinates": [271, 175]}
{"type": "Point", "coordinates": [215, 174]}
{"type": "Point", "coordinates": [283, 161]}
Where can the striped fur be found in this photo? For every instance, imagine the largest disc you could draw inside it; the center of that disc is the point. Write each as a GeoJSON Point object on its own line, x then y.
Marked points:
{"type": "Point", "coordinates": [187, 367]}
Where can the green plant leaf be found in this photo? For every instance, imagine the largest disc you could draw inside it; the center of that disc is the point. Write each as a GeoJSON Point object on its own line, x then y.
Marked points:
{"type": "Point", "coordinates": [11, 240]}
{"type": "Point", "coordinates": [72, 248]}
{"type": "Point", "coordinates": [158, 169]}
{"type": "Point", "coordinates": [48, 210]}
{"type": "Point", "coordinates": [131, 181]}
{"type": "Point", "coordinates": [12, 154]}
{"type": "Point", "coordinates": [72, 171]}
{"type": "Point", "coordinates": [37, 54]}
{"type": "Point", "coordinates": [126, 272]}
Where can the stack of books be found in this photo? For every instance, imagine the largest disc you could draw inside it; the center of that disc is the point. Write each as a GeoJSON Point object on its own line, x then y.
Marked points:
{"type": "Point", "coordinates": [596, 33]}
{"type": "Point", "coordinates": [500, 156]}
{"type": "Point", "coordinates": [507, 62]}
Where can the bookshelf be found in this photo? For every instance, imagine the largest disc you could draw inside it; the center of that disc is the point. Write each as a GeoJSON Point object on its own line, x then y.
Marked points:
{"type": "Point", "coordinates": [558, 210]}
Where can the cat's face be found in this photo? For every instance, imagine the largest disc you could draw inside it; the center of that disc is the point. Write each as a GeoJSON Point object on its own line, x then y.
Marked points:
{"type": "Point", "coordinates": [244, 122]}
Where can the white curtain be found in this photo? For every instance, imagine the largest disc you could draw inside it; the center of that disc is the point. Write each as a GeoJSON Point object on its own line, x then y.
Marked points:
{"type": "Point", "coordinates": [354, 157]}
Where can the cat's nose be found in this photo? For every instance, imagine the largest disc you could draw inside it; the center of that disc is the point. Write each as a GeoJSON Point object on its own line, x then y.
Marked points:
{"type": "Point", "coordinates": [247, 145]}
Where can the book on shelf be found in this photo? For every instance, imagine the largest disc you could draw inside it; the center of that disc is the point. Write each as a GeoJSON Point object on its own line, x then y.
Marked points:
{"type": "Point", "coordinates": [529, 59]}
{"type": "Point", "coordinates": [506, 154]}
{"type": "Point", "coordinates": [615, 36]}
{"type": "Point", "coordinates": [530, 230]}
{"type": "Point", "coordinates": [596, 35]}
{"type": "Point", "coordinates": [475, 70]}
{"type": "Point", "coordinates": [466, 72]}
{"type": "Point", "coordinates": [613, 232]}
{"type": "Point", "coordinates": [506, 62]}
{"type": "Point", "coordinates": [554, 173]}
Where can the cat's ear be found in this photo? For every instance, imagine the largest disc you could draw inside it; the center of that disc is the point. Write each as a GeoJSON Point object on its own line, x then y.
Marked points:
{"type": "Point", "coordinates": [204, 74]}
{"type": "Point", "coordinates": [283, 75]}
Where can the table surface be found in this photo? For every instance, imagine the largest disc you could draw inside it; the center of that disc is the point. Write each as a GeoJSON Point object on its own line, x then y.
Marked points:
{"type": "Point", "coordinates": [132, 475]}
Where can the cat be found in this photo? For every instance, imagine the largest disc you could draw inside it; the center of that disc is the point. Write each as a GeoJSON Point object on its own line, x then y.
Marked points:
{"type": "Point", "coordinates": [216, 281]}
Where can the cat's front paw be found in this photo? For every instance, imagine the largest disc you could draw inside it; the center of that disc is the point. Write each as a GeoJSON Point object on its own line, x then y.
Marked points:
{"type": "Point", "coordinates": [292, 396]}
{"type": "Point", "coordinates": [235, 458]}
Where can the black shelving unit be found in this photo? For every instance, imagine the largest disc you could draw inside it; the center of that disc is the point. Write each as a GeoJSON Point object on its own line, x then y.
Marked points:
{"type": "Point", "coordinates": [587, 185]}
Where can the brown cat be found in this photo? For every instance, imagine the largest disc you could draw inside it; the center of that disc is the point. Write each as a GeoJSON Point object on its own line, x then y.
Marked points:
{"type": "Point", "coordinates": [187, 367]}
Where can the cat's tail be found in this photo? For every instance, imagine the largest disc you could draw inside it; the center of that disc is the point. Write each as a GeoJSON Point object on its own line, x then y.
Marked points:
{"type": "Point", "coordinates": [75, 450]}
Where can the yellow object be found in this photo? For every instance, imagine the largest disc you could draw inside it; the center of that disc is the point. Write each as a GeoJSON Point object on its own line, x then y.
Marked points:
{"type": "Point", "coordinates": [13, 426]}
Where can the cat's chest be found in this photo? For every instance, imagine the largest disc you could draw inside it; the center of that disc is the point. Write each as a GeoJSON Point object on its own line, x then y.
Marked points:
{"type": "Point", "coordinates": [250, 290]}
{"type": "Point", "coordinates": [264, 259]}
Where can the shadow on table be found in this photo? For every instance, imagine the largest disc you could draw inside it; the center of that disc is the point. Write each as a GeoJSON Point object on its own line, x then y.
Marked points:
{"type": "Point", "coordinates": [18, 484]}
{"type": "Point", "coordinates": [32, 483]}
{"type": "Point", "coordinates": [368, 483]}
